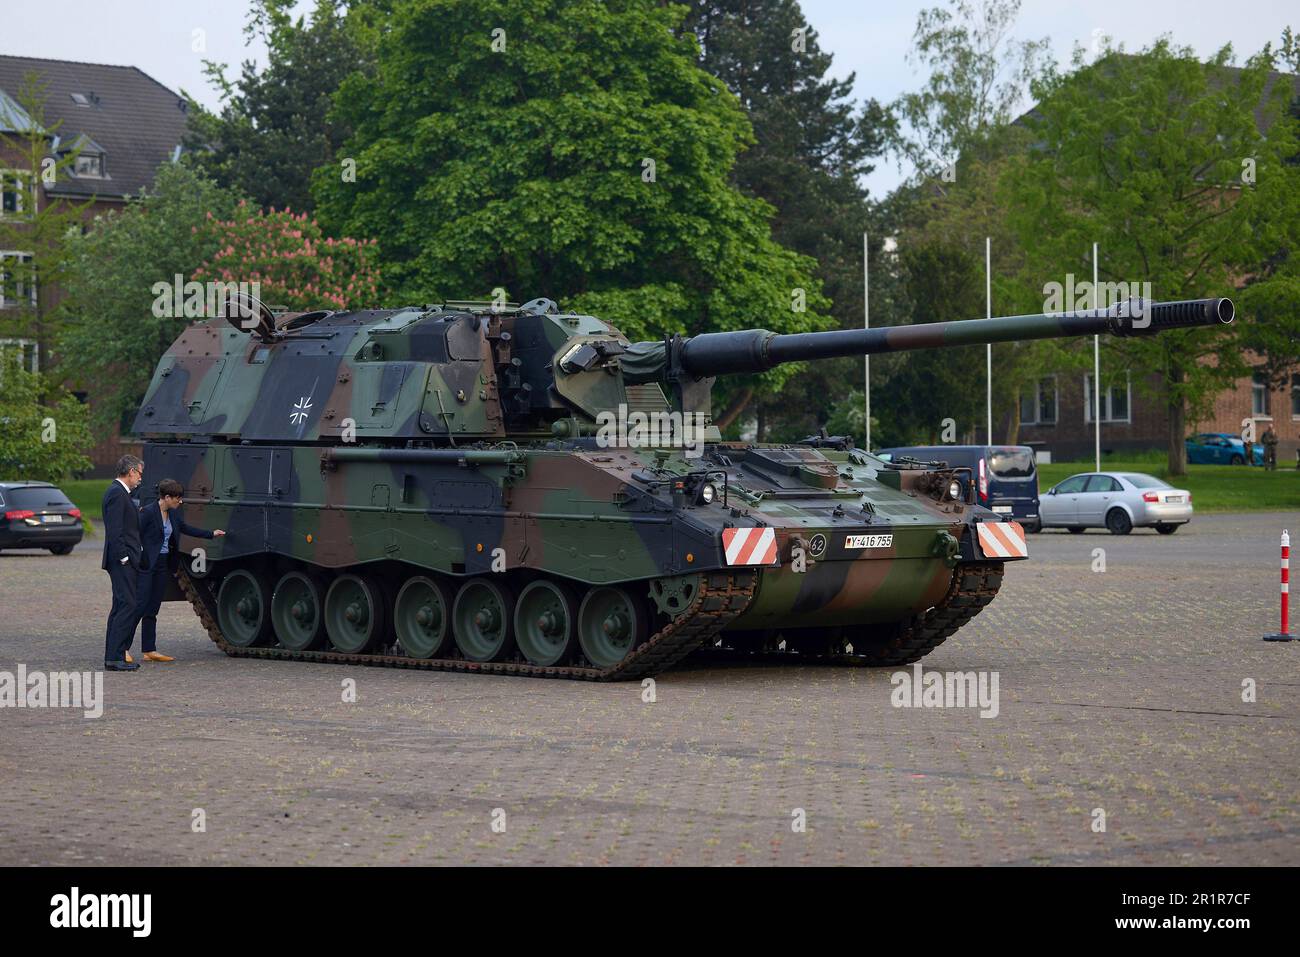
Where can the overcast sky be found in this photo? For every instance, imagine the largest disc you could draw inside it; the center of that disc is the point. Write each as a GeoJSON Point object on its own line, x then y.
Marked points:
{"type": "Point", "coordinates": [868, 37]}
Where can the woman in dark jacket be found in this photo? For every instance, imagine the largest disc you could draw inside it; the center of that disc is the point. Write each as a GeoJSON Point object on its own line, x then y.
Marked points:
{"type": "Point", "coordinates": [160, 528]}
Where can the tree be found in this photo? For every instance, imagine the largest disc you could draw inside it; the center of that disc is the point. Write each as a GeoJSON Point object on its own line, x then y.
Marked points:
{"type": "Point", "coordinates": [294, 264]}
{"type": "Point", "coordinates": [274, 127]}
{"type": "Point", "coordinates": [813, 144]}
{"type": "Point", "coordinates": [1150, 155]}
{"type": "Point", "coordinates": [571, 149]}
{"type": "Point", "coordinates": [44, 431]}
{"type": "Point", "coordinates": [978, 75]}
{"type": "Point", "coordinates": [958, 134]}
{"type": "Point", "coordinates": [37, 227]}
{"type": "Point", "coordinates": [113, 337]}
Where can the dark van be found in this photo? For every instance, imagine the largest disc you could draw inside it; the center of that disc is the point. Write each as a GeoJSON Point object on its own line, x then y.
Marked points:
{"type": "Point", "coordinates": [1005, 477]}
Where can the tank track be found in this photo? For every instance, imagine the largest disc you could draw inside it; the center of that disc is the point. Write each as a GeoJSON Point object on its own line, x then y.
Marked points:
{"type": "Point", "coordinates": [974, 585]}
{"type": "Point", "coordinates": [722, 597]}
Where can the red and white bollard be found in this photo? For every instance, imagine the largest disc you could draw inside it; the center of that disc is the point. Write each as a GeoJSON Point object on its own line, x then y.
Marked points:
{"type": "Point", "coordinates": [1284, 634]}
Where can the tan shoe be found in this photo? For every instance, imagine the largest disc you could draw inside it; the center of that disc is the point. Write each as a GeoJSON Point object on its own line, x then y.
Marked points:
{"type": "Point", "coordinates": [129, 659]}
{"type": "Point", "coordinates": [157, 656]}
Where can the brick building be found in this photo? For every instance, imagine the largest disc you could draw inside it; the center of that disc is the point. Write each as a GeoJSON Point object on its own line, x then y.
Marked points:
{"type": "Point", "coordinates": [1056, 414]}
{"type": "Point", "coordinates": [121, 125]}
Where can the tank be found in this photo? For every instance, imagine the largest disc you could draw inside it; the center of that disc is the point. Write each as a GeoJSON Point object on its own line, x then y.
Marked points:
{"type": "Point", "coordinates": [520, 490]}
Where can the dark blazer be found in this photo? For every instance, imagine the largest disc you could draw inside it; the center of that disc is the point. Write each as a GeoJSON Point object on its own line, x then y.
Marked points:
{"type": "Point", "coordinates": [121, 528]}
{"type": "Point", "coordinates": [151, 535]}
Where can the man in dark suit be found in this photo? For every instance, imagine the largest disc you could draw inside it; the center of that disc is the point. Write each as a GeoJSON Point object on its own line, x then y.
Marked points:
{"type": "Point", "coordinates": [161, 525]}
{"type": "Point", "coordinates": [123, 557]}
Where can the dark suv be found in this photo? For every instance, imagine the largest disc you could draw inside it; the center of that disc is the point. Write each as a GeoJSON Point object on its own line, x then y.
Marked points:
{"type": "Point", "coordinates": [38, 515]}
{"type": "Point", "coordinates": [1005, 476]}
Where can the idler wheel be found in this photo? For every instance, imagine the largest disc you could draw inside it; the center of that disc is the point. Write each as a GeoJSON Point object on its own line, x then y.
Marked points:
{"type": "Point", "coordinates": [298, 611]}
{"type": "Point", "coordinates": [244, 609]}
{"type": "Point", "coordinates": [544, 622]}
{"type": "Point", "coordinates": [422, 618]}
{"type": "Point", "coordinates": [611, 623]}
{"type": "Point", "coordinates": [355, 617]}
{"type": "Point", "coordinates": [481, 620]}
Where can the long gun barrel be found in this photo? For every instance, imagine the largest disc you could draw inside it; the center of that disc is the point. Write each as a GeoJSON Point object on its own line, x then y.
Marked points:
{"type": "Point", "coordinates": [756, 350]}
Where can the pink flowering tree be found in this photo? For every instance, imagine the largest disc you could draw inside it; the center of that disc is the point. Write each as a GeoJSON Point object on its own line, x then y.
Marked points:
{"type": "Point", "coordinates": [296, 264]}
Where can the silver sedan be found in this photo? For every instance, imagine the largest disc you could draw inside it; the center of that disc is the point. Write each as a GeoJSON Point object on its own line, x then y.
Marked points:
{"type": "Point", "coordinates": [1117, 501]}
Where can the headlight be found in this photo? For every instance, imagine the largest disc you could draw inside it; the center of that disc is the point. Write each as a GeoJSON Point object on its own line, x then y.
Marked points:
{"type": "Point", "coordinates": [708, 493]}
{"type": "Point", "coordinates": [954, 489]}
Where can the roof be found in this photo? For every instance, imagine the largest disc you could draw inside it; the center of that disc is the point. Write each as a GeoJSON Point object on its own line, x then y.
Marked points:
{"type": "Point", "coordinates": [136, 120]}
{"type": "Point", "coordinates": [32, 484]}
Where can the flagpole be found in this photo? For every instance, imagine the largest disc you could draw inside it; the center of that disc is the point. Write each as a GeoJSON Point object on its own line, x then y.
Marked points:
{"type": "Point", "coordinates": [988, 355]}
{"type": "Point", "coordinates": [1096, 370]}
{"type": "Point", "coordinates": [866, 324]}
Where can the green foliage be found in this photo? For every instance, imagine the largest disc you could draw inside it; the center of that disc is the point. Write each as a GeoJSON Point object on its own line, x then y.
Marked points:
{"type": "Point", "coordinates": [274, 128]}
{"type": "Point", "coordinates": [565, 148]}
{"type": "Point", "coordinates": [944, 283]}
{"type": "Point", "coordinates": [812, 146]}
{"type": "Point", "coordinates": [978, 74]}
{"type": "Point", "coordinates": [41, 228]}
{"type": "Point", "coordinates": [1146, 155]}
{"type": "Point", "coordinates": [293, 262]}
{"type": "Point", "coordinates": [44, 430]}
{"type": "Point", "coordinates": [112, 338]}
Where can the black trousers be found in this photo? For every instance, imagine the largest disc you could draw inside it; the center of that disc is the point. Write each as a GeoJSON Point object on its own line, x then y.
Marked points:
{"type": "Point", "coordinates": [121, 617]}
{"type": "Point", "coordinates": [150, 587]}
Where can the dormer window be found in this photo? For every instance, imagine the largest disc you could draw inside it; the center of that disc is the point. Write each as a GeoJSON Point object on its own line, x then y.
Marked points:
{"type": "Point", "coordinates": [90, 164]}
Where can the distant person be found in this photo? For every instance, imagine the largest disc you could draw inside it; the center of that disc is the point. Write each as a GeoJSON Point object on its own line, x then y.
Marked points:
{"type": "Point", "coordinates": [1269, 438]}
{"type": "Point", "coordinates": [123, 558]}
{"type": "Point", "coordinates": [160, 526]}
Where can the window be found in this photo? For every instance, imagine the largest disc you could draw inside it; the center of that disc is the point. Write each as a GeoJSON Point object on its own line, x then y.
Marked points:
{"type": "Point", "coordinates": [1102, 483]}
{"type": "Point", "coordinates": [1295, 396]}
{"type": "Point", "coordinates": [1038, 402]}
{"type": "Point", "coordinates": [1073, 484]}
{"type": "Point", "coordinates": [26, 347]}
{"type": "Point", "coordinates": [17, 280]}
{"type": "Point", "coordinates": [15, 192]}
{"type": "Point", "coordinates": [89, 164]}
{"type": "Point", "coordinates": [1139, 480]}
{"type": "Point", "coordinates": [1259, 394]}
{"type": "Point", "coordinates": [1115, 399]}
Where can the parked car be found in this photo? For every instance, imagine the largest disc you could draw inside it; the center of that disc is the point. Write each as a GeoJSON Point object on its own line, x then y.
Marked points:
{"type": "Point", "coordinates": [38, 515]}
{"type": "Point", "coordinates": [1117, 501]}
{"type": "Point", "coordinates": [1005, 476]}
{"type": "Point", "coordinates": [1222, 448]}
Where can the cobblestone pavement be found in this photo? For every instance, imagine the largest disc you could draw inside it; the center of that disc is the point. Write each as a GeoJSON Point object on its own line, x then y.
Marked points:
{"type": "Point", "coordinates": [1120, 690]}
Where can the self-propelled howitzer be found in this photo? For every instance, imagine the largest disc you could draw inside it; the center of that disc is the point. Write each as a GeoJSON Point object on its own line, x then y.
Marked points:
{"type": "Point", "coordinates": [518, 490]}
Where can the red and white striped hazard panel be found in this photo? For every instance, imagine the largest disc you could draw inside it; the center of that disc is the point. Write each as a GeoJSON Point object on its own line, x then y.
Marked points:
{"type": "Point", "coordinates": [749, 546]}
{"type": "Point", "coordinates": [1002, 540]}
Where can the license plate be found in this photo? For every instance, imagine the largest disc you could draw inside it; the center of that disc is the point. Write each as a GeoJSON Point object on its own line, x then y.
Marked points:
{"type": "Point", "coordinates": [51, 519]}
{"type": "Point", "coordinates": [868, 541]}
{"type": "Point", "coordinates": [1173, 498]}
{"type": "Point", "coordinates": [1002, 509]}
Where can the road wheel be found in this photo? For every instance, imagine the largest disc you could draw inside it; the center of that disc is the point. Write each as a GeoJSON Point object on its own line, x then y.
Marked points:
{"type": "Point", "coordinates": [244, 609]}
{"type": "Point", "coordinates": [422, 617]}
{"type": "Point", "coordinates": [1118, 522]}
{"type": "Point", "coordinates": [1237, 460]}
{"type": "Point", "coordinates": [298, 611]}
{"type": "Point", "coordinates": [481, 620]}
{"type": "Point", "coordinates": [60, 549]}
{"type": "Point", "coordinates": [1076, 529]}
{"type": "Point", "coordinates": [544, 622]}
{"type": "Point", "coordinates": [1166, 529]}
{"type": "Point", "coordinates": [355, 613]}
{"type": "Point", "coordinates": [611, 622]}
